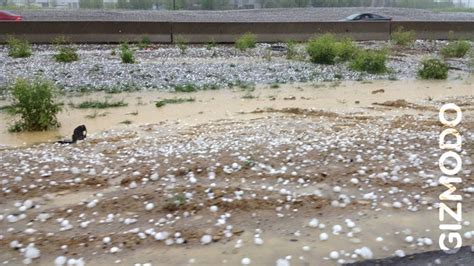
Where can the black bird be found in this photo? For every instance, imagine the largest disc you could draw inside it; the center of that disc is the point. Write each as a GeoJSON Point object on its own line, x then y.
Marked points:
{"type": "Point", "coordinates": [79, 133]}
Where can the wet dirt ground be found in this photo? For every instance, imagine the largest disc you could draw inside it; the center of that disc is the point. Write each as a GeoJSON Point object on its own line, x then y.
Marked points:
{"type": "Point", "coordinates": [225, 178]}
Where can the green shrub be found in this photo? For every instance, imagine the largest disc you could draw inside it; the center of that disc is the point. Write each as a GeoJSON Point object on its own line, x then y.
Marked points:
{"type": "Point", "coordinates": [126, 54]}
{"type": "Point", "coordinates": [34, 103]}
{"type": "Point", "coordinates": [433, 69]}
{"type": "Point", "coordinates": [188, 87]}
{"type": "Point", "coordinates": [369, 61]}
{"type": "Point", "coordinates": [291, 52]}
{"type": "Point", "coordinates": [322, 50]}
{"type": "Point", "coordinates": [246, 41]}
{"type": "Point", "coordinates": [18, 48]}
{"type": "Point", "coordinates": [346, 49]}
{"type": "Point", "coordinates": [456, 49]}
{"type": "Point", "coordinates": [401, 37]}
{"type": "Point", "coordinates": [144, 42]}
{"type": "Point", "coordinates": [66, 55]}
{"type": "Point", "coordinates": [182, 44]}
{"type": "Point", "coordinates": [99, 104]}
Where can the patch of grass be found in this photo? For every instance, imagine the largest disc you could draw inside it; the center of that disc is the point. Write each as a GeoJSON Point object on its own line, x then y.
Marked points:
{"type": "Point", "coordinates": [126, 54]}
{"type": "Point", "coordinates": [211, 45]}
{"type": "Point", "coordinates": [456, 49]}
{"type": "Point", "coordinates": [275, 86]}
{"type": "Point", "coordinates": [144, 43]}
{"type": "Point", "coordinates": [66, 53]}
{"type": "Point", "coordinates": [182, 44]}
{"type": "Point", "coordinates": [188, 87]}
{"type": "Point", "coordinates": [33, 102]}
{"type": "Point", "coordinates": [433, 69]}
{"type": "Point", "coordinates": [246, 41]}
{"type": "Point", "coordinates": [174, 203]}
{"type": "Point", "coordinates": [164, 102]}
{"type": "Point", "coordinates": [18, 48]}
{"type": "Point", "coordinates": [402, 37]}
{"type": "Point", "coordinates": [370, 61]}
{"type": "Point", "coordinates": [346, 49]}
{"type": "Point", "coordinates": [100, 104]}
{"type": "Point", "coordinates": [126, 122]}
{"type": "Point", "coordinates": [291, 52]}
{"type": "Point", "coordinates": [322, 50]}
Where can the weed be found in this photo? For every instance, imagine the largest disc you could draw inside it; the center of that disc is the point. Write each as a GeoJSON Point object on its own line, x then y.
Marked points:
{"type": "Point", "coordinates": [174, 203]}
{"type": "Point", "coordinates": [433, 69]}
{"type": "Point", "coordinates": [246, 41]}
{"type": "Point", "coordinates": [188, 87]}
{"type": "Point", "coordinates": [291, 52]}
{"type": "Point", "coordinates": [456, 49]}
{"type": "Point", "coordinates": [346, 50]}
{"type": "Point", "coordinates": [402, 37]}
{"type": "Point", "coordinates": [211, 45]}
{"type": "Point", "coordinates": [126, 122]}
{"type": "Point", "coordinates": [370, 61]}
{"type": "Point", "coordinates": [34, 103]}
{"type": "Point", "coordinates": [182, 44]}
{"type": "Point", "coordinates": [275, 86]}
{"type": "Point", "coordinates": [248, 95]}
{"type": "Point", "coordinates": [18, 48]}
{"type": "Point", "coordinates": [99, 104]}
{"type": "Point", "coordinates": [322, 50]}
{"type": "Point", "coordinates": [126, 54]}
{"type": "Point", "coordinates": [144, 43]}
{"type": "Point", "coordinates": [164, 102]}
{"type": "Point", "coordinates": [66, 54]}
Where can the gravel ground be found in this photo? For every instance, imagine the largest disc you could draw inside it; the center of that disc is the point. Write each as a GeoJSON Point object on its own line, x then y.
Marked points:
{"type": "Point", "coordinates": [164, 67]}
{"type": "Point", "coordinates": [260, 15]}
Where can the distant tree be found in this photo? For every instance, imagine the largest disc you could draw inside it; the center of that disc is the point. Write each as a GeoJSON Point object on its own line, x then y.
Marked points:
{"type": "Point", "coordinates": [141, 4]}
{"type": "Point", "coordinates": [93, 4]}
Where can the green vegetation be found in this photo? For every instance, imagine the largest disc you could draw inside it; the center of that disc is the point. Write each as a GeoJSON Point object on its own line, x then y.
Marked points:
{"type": "Point", "coordinates": [370, 61]}
{"type": "Point", "coordinates": [246, 41]}
{"type": "Point", "coordinates": [182, 44]}
{"type": "Point", "coordinates": [174, 203]}
{"type": "Point", "coordinates": [34, 103]}
{"type": "Point", "coordinates": [144, 43]}
{"type": "Point", "coordinates": [211, 45]}
{"type": "Point", "coordinates": [66, 53]}
{"type": "Point", "coordinates": [164, 102]}
{"type": "Point", "coordinates": [99, 104]}
{"type": "Point", "coordinates": [326, 49]}
{"type": "Point", "coordinates": [433, 69]}
{"type": "Point", "coordinates": [402, 37]}
{"type": "Point", "coordinates": [454, 9]}
{"type": "Point", "coordinates": [248, 95]}
{"type": "Point", "coordinates": [126, 122]}
{"type": "Point", "coordinates": [188, 87]}
{"type": "Point", "coordinates": [126, 54]}
{"type": "Point", "coordinates": [456, 49]}
{"type": "Point", "coordinates": [18, 48]}
{"type": "Point", "coordinates": [291, 52]}
{"type": "Point", "coordinates": [275, 86]}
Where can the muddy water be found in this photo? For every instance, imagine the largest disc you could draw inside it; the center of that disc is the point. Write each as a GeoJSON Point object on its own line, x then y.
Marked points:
{"type": "Point", "coordinates": [350, 96]}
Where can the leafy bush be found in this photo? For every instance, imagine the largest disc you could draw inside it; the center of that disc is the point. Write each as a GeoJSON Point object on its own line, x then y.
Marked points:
{"type": "Point", "coordinates": [126, 54]}
{"type": "Point", "coordinates": [144, 42]}
{"type": "Point", "coordinates": [433, 69]}
{"type": "Point", "coordinates": [369, 61]}
{"type": "Point", "coordinates": [246, 41]}
{"type": "Point", "coordinates": [66, 54]}
{"type": "Point", "coordinates": [322, 50]}
{"type": "Point", "coordinates": [182, 44]}
{"type": "Point", "coordinates": [18, 48]}
{"type": "Point", "coordinates": [34, 103]}
{"type": "Point", "coordinates": [346, 49]}
{"type": "Point", "coordinates": [456, 49]}
{"type": "Point", "coordinates": [401, 37]}
{"type": "Point", "coordinates": [291, 50]}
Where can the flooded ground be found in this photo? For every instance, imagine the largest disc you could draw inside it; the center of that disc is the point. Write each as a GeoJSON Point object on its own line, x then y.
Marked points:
{"type": "Point", "coordinates": [348, 96]}
{"type": "Point", "coordinates": [303, 174]}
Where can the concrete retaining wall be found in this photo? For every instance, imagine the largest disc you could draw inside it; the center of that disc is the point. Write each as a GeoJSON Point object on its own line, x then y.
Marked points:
{"type": "Point", "coordinates": [166, 32]}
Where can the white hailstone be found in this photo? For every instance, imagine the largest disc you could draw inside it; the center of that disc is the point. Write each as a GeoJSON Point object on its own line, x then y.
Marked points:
{"type": "Point", "coordinates": [427, 241]}
{"type": "Point", "coordinates": [28, 204]}
{"type": "Point", "coordinates": [31, 252]}
{"type": "Point", "coordinates": [397, 205]}
{"type": "Point", "coordinates": [71, 262]}
{"type": "Point", "coordinates": [114, 250]}
{"type": "Point", "coordinates": [192, 179]}
{"type": "Point", "coordinates": [354, 181]}
{"type": "Point", "coordinates": [30, 231]}
{"type": "Point", "coordinates": [323, 236]}
{"type": "Point", "coordinates": [313, 223]}
{"type": "Point", "coordinates": [258, 241]}
{"type": "Point", "coordinates": [336, 189]}
{"type": "Point", "coordinates": [92, 204]}
{"type": "Point", "coordinates": [379, 239]}
{"type": "Point", "coordinates": [350, 223]}
{"type": "Point", "coordinates": [282, 262]}
{"type": "Point", "coordinates": [245, 261]}
{"type": "Point", "coordinates": [149, 206]}
{"type": "Point", "coordinates": [399, 253]}
{"type": "Point", "coordinates": [169, 242]}
{"type": "Point", "coordinates": [12, 218]}
{"type": "Point", "coordinates": [60, 261]}
{"type": "Point", "coordinates": [306, 248]}
{"type": "Point", "coordinates": [336, 229]}
{"type": "Point", "coordinates": [84, 224]}
{"type": "Point", "coordinates": [467, 235]}
{"type": "Point", "coordinates": [77, 180]}
{"type": "Point", "coordinates": [14, 244]}
{"type": "Point", "coordinates": [154, 177]}
{"type": "Point", "coordinates": [206, 239]}
{"type": "Point", "coordinates": [132, 185]}
{"type": "Point", "coordinates": [365, 252]}
{"type": "Point", "coordinates": [75, 170]}
{"type": "Point", "coordinates": [334, 255]}
{"type": "Point", "coordinates": [106, 240]}
{"type": "Point", "coordinates": [409, 239]}
{"type": "Point", "coordinates": [161, 236]}
{"type": "Point", "coordinates": [214, 208]}
{"type": "Point", "coordinates": [212, 176]}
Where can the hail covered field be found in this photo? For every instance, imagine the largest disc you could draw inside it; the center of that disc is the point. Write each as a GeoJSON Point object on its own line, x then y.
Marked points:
{"type": "Point", "coordinates": [291, 173]}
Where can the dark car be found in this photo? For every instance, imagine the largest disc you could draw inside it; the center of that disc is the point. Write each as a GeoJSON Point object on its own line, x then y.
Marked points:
{"type": "Point", "coordinates": [5, 15]}
{"type": "Point", "coordinates": [366, 17]}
